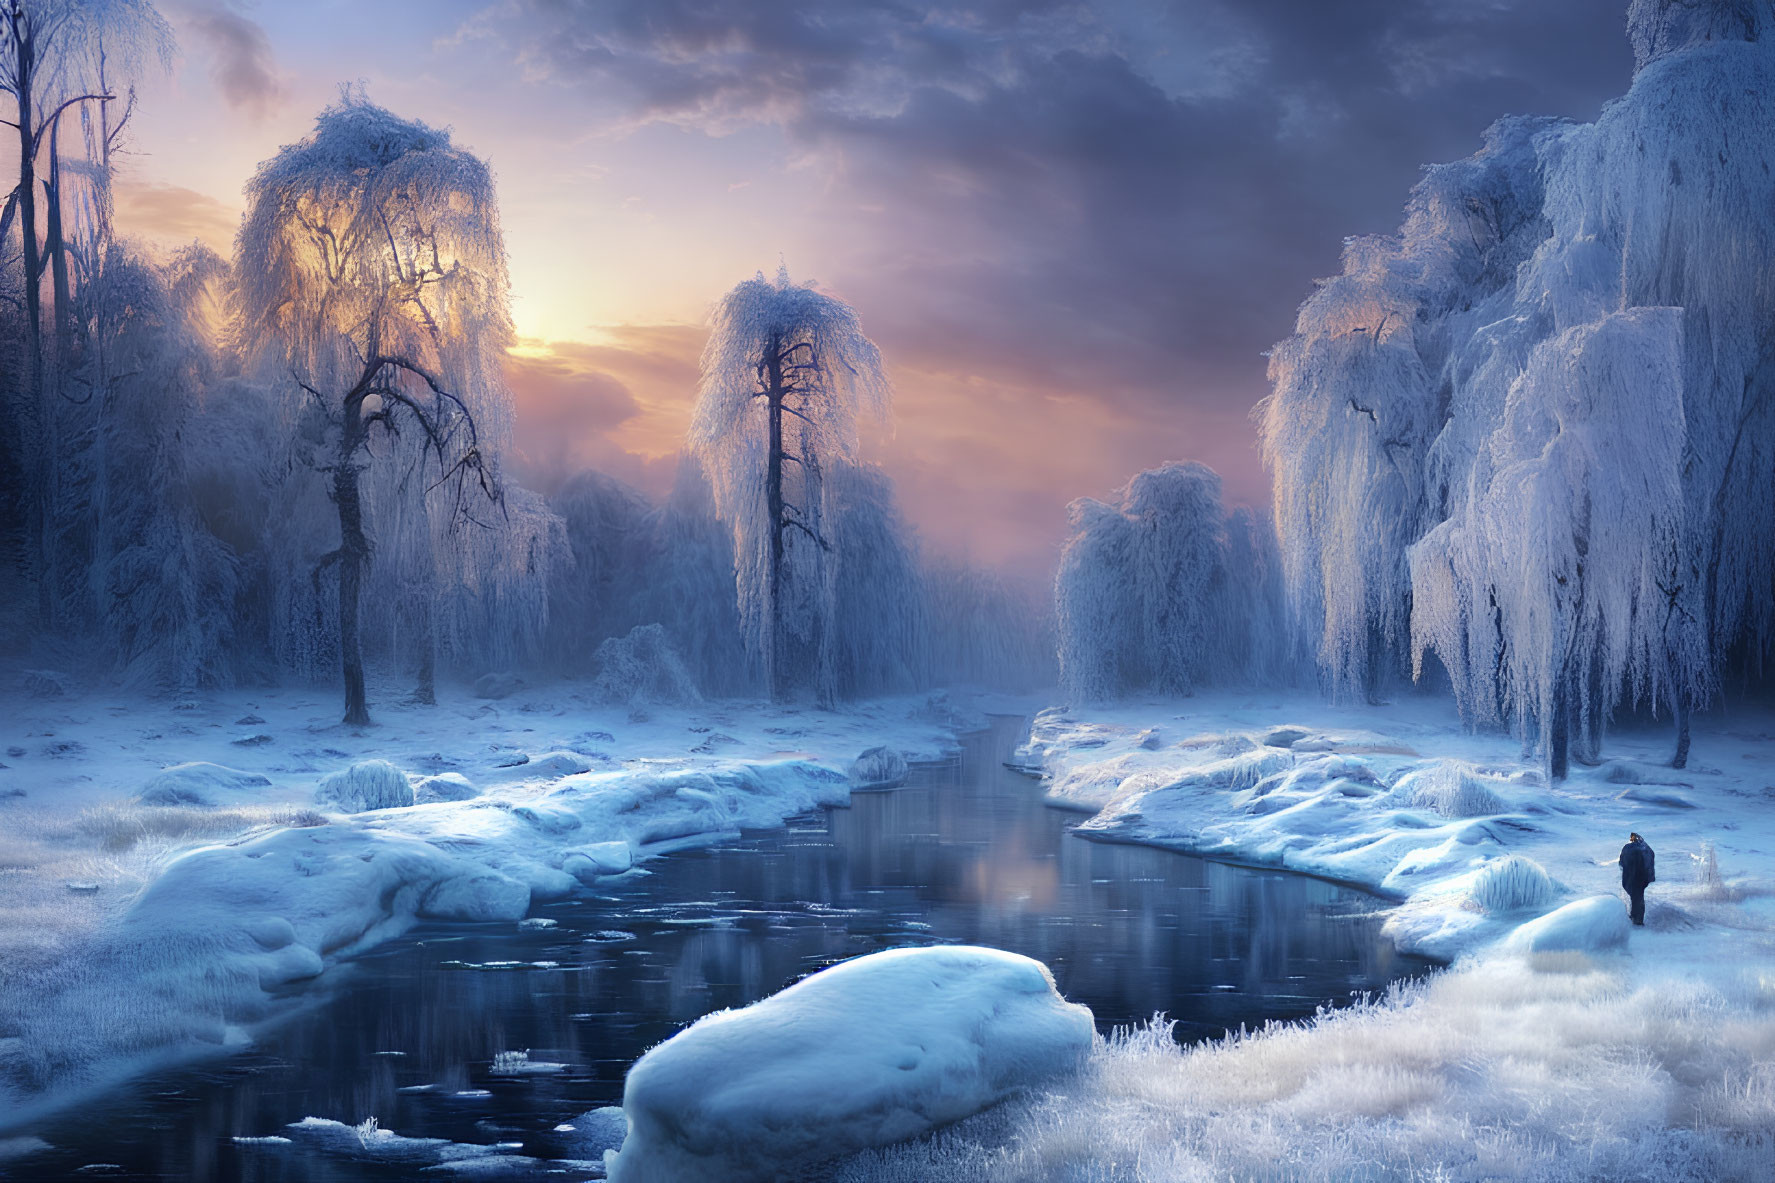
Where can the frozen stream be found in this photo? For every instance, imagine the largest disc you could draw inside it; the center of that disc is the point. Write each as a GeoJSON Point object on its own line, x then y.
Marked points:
{"type": "Point", "coordinates": [964, 853]}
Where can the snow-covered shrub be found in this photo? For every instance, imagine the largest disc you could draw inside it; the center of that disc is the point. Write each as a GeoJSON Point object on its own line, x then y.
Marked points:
{"type": "Point", "coordinates": [1709, 883]}
{"type": "Point", "coordinates": [878, 768]}
{"type": "Point", "coordinates": [366, 785]}
{"type": "Point", "coordinates": [642, 667]}
{"type": "Point", "coordinates": [1512, 884]}
{"type": "Point", "coordinates": [1450, 790]}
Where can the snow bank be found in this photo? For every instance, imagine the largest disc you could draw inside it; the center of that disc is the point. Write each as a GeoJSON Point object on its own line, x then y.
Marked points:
{"type": "Point", "coordinates": [370, 784]}
{"type": "Point", "coordinates": [1590, 925]}
{"type": "Point", "coordinates": [869, 1052]}
{"type": "Point", "coordinates": [198, 783]}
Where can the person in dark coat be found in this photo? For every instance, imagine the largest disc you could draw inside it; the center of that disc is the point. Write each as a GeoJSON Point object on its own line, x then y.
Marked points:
{"type": "Point", "coordinates": [1637, 874]}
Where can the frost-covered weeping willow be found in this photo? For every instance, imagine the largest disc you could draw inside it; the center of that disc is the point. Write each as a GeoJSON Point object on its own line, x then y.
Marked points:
{"type": "Point", "coordinates": [785, 376]}
{"type": "Point", "coordinates": [1163, 590]}
{"type": "Point", "coordinates": [1533, 433]}
{"type": "Point", "coordinates": [371, 280]}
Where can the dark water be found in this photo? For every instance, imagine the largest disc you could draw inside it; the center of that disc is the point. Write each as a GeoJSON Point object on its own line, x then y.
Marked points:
{"type": "Point", "coordinates": [964, 853]}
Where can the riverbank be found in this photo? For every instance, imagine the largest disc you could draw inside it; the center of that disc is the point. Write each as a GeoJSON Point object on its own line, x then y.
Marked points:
{"type": "Point", "coordinates": [1604, 1053]}
{"type": "Point", "coordinates": [172, 874]}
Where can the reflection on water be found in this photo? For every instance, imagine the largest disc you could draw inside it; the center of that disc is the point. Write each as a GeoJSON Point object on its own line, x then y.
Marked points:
{"type": "Point", "coordinates": [965, 853]}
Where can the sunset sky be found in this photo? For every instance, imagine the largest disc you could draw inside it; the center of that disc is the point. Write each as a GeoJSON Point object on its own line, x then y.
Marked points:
{"type": "Point", "coordinates": [1073, 228]}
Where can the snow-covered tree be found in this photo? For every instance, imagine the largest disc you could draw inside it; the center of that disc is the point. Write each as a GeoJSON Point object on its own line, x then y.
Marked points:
{"type": "Point", "coordinates": [786, 374]}
{"type": "Point", "coordinates": [1570, 541]}
{"type": "Point", "coordinates": [370, 267]}
{"type": "Point", "coordinates": [878, 620]}
{"type": "Point", "coordinates": [58, 59]}
{"type": "Point", "coordinates": [987, 629]}
{"type": "Point", "coordinates": [1156, 593]}
{"type": "Point", "coordinates": [689, 585]}
{"type": "Point", "coordinates": [1539, 422]}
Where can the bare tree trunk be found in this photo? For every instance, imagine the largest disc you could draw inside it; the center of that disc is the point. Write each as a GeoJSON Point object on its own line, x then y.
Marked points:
{"type": "Point", "coordinates": [776, 676]}
{"type": "Point", "coordinates": [1559, 732]}
{"type": "Point", "coordinates": [1588, 749]}
{"type": "Point", "coordinates": [25, 48]}
{"type": "Point", "coordinates": [57, 248]}
{"type": "Point", "coordinates": [354, 551]}
{"type": "Point", "coordinates": [1679, 706]}
{"type": "Point", "coordinates": [425, 693]}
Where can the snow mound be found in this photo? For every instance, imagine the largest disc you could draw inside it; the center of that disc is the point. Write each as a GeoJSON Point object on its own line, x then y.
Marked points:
{"type": "Point", "coordinates": [498, 685]}
{"type": "Point", "coordinates": [867, 1053]}
{"type": "Point", "coordinates": [445, 786]}
{"type": "Point", "coordinates": [196, 783]}
{"type": "Point", "coordinates": [553, 764]}
{"type": "Point", "coordinates": [370, 784]}
{"type": "Point", "coordinates": [1589, 925]}
{"type": "Point", "coordinates": [878, 768]}
{"type": "Point", "coordinates": [642, 667]}
{"type": "Point", "coordinates": [597, 1131]}
{"type": "Point", "coordinates": [1511, 884]}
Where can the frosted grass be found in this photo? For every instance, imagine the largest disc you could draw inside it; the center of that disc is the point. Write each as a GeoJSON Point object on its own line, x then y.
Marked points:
{"type": "Point", "coordinates": [1549, 1072]}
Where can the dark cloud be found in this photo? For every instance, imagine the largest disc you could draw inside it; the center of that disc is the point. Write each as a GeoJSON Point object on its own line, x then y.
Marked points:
{"type": "Point", "coordinates": [241, 60]}
{"type": "Point", "coordinates": [1121, 200]}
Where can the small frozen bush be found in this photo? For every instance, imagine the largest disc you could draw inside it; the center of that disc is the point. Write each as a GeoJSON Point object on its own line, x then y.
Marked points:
{"type": "Point", "coordinates": [1709, 883]}
{"type": "Point", "coordinates": [369, 784]}
{"type": "Point", "coordinates": [1511, 884]}
{"type": "Point", "coordinates": [642, 667]}
{"type": "Point", "coordinates": [1451, 791]}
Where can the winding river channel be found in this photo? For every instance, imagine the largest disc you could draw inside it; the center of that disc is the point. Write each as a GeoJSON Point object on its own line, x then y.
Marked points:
{"type": "Point", "coordinates": [965, 852]}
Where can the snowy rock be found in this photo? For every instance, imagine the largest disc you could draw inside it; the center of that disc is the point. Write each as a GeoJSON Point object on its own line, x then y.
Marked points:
{"type": "Point", "coordinates": [1589, 925]}
{"type": "Point", "coordinates": [197, 783]}
{"type": "Point", "coordinates": [445, 786]}
{"type": "Point", "coordinates": [878, 768]}
{"type": "Point", "coordinates": [498, 685]}
{"type": "Point", "coordinates": [553, 764]}
{"type": "Point", "coordinates": [869, 1052]}
{"type": "Point", "coordinates": [589, 863]}
{"type": "Point", "coordinates": [486, 895]}
{"type": "Point", "coordinates": [370, 784]}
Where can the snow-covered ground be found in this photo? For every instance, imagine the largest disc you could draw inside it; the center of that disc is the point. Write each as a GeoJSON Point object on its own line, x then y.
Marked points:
{"type": "Point", "coordinates": [171, 874]}
{"type": "Point", "coordinates": [1610, 1053]}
